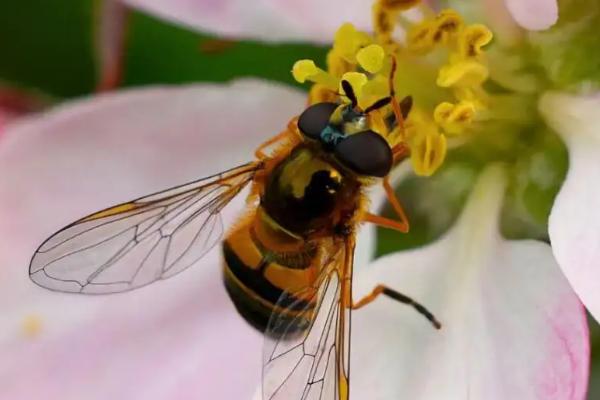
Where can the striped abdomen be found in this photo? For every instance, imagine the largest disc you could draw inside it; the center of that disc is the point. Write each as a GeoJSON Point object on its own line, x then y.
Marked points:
{"type": "Point", "coordinates": [262, 261]}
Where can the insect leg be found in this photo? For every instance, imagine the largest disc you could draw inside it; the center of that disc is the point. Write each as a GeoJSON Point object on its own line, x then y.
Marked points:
{"type": "Point", "coordinates": [400, 152]}
{"type": "Point", "coordinates": [395, 295]}
{"type": "Point", "coordinates": [260, 151]}
{"type": "Point", "coordinates": [402, 225]}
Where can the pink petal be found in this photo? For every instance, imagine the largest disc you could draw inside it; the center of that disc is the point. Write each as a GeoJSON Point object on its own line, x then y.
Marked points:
{"type": "Point", "coordinates": [574, 224]}
{"type": "Point", "coordinates": [534, 15]}
{"type": "Point", "coordinates": [268, 20]}
{"type": "Point", "coordinates": [178, 339]}
{"type": "Point", "coordinates": [512, 327]}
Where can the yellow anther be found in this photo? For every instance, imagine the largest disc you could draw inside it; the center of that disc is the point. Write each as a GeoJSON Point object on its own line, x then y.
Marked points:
{"type": "Point", "coordinates": [462, 73]}
{"type": "Point", "coordinates": [447, 24]}
{"type": "Point", "coordinates": [357, 80]}
{"type": "Point", "coordinates": [320, 93]}
{"type": "Point", "coordinates": [337, 65]}
{"type": "Point", "coordinates": [304, 69]}
{"type": "Point", "coordinates": [348, 41]}
{"type": "Point", "coordinates": [420, 37]}
{"type": "Point", "coordinates": [423, 37]}
{"type": "Point", "coordinates": [399, 5]}
{"type": "Point", "coordinates": [475, 95]}
{"type": "Point", "coordinates": [383, 21]}
{"type": "Point", "coordinates": [370, 58]}
{"type": "Point", "coordinates": [428, 151]}
{"type": "Point", "coordinates": [428, 155]}
{"type": "Point", "coordinates": [472, 39]}
{"type": "Point", "coordinates": [427, 145]}
{"type": "Point", "coordinates": [442, 112]}
{"type": "Point", "coordinates": [454, 118]}
{"type": "Point", "coordinates": [377, 88]}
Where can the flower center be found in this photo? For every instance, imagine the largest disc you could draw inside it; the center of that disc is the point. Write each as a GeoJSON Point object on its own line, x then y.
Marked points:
{"type": "Point", "coordinates": [439, 63]}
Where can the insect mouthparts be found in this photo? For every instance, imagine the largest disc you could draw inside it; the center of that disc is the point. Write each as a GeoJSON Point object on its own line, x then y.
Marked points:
{"type": "Point", "coordinates": [331, 137]}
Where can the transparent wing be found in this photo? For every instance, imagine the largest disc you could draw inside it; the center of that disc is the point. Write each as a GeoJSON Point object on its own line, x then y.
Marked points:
{"type": "Point", "coordinates": [136, 243]}
{"type": "Point", "coordinates": [307, 348]}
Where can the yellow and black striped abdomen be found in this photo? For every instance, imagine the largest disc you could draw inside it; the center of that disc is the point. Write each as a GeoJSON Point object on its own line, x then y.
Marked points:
{"type": "Point", "coordinates": [262, 261]}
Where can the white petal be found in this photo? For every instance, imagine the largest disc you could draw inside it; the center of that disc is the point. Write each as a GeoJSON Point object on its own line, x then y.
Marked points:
{"type": "Point", "coordinates": [534, 15]}
{"type": "Point", "coordinates": [574, 224]}
{"type": "Point", "coordinates": [268, 20]}
{"type": "Point", "coordinates": [512, 327]}
{"type": "Point", "coordinates": [176, 339]}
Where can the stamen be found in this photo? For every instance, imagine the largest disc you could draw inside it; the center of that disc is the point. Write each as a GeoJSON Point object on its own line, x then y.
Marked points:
{"type": "Point", "coordinates": [348, 41]}
{"type": "Point", "coordinates": [462, 73]}
{"type": "Point", "coordinates": [370, 58]}
{"type": "Point", "coordinates": [357, 81]}
{"type": "Point", "coordinates": [367, 65]}
{"type": "Point", "coordinates": [337, 65]}
{"type": "Point", "coordinates": [428, 146]}
{"type": "Point", "coordinates": [454, 118]}
{"type": "Point", "coordinates": [447, 24]}
{"type": "Point", "coordinates": [304, 69]}
{"type": "Point", "coordinates": [383, 21]}
{"type": "Point", "coordinates": [420, 37]}
{"type": "Point", "coordinates": [472, 39]}
{"type": "Point", "coordinates": [399, 5]}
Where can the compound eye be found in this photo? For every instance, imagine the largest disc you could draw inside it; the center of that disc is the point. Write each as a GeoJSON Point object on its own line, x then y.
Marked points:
{"type": "Point", "coordinates": [315, 118]}
{"type": "Point", "coordinates": [366, 153]}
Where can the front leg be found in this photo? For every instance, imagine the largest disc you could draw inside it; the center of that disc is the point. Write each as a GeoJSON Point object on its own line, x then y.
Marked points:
{"type": "Point", "coordinates": [401, 224]}
{"type": "Point", "coordinates": [290, 134]}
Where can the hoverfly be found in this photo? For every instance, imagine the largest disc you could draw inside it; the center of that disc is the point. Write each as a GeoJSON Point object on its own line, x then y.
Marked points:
{"type": "Point", "coordinates": [287, 262]}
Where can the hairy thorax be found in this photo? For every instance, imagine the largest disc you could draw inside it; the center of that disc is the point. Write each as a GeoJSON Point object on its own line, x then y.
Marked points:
{"type": "Point", "coordinates": [307, 193]}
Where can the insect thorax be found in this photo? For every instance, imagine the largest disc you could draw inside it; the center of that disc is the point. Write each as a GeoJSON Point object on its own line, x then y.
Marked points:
{"type": "Point", "coordinates": [308, 192]}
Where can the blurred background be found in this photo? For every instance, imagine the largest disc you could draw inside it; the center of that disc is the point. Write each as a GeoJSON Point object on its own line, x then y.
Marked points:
{"type": "Point", "coordinates": [48, 55]}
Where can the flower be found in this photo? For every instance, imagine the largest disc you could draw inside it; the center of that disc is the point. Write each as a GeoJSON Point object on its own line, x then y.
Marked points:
{"type": "Point", "coordinates": [512, 325]}
{"type": "Point", "coordinates": [544, 78]}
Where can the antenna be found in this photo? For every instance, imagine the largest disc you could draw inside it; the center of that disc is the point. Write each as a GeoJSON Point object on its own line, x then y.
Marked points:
{"type": "Point", "coordinates": [378, 104]}
{"type": "Point", "coordinates": [350, 93]}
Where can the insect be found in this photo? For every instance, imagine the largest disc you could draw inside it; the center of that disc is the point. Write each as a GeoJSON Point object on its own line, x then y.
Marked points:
{"type": "Point", "coordinates": [287, 262]}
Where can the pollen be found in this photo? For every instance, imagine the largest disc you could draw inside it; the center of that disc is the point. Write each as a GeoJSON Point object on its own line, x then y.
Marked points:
{"type": "Point", "coordinates": [420, 37]}
{"type": "Point", "coordinates": [428, 146]}
{"type": "Point", "coordinates": [348, 41]}
{"type": "Point", "coordinates": [357, 80]}
{"type": "Point", "coordinates": [472, 39]}
{"type": "Point", "coordinates": [462, 73]}
{"type": "Point", "coordinates": [454, 119]}
{"type": "Point", "coordinates": [399, 5]}
{"type": "Point", "coordinates": [441, 30]}
{"type": "Point", "coordinates": [304, 69]}
{"type": "Point", "coordinates": [447, 24]}
{"type": "Point", "coordinates": [438, 62]}
{"type": "Point", "coordinates": [370, 58]}
{"type": "Point", "coordinates": [31, 326]}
